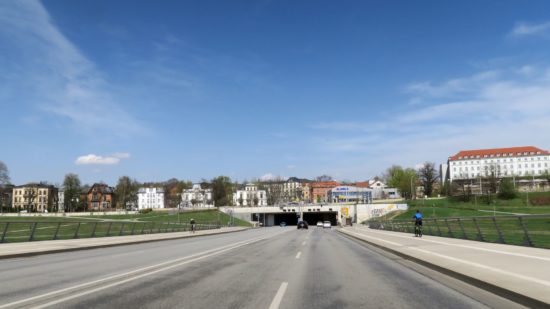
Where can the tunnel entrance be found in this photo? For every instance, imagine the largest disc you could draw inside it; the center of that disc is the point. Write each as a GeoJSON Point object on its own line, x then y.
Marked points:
{"type": "Point", "coordinates": [288, 218]}
{"type": "Point", "coordinates": [313, 217]}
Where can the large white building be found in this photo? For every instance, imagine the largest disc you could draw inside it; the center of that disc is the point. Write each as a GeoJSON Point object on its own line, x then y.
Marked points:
{"type": "Point", "coordinates": [196, 197]}
{"type": "Point", "coordinates": [152, 198]}
{"type": "Point", "coordinates": [503, 162]}
{"type": "Point", "coordinates": [350, 194]}
{"type": "Point", "coordinates": [250, 196]}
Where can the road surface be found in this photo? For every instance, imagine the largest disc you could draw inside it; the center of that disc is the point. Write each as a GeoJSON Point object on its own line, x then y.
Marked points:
{"type": "Point", "coordinates": [260, 268]}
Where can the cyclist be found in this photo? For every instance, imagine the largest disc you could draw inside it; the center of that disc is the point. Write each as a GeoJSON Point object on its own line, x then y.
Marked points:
{"type": "Point", "coordinates": [192, 225]}
{"type": "Point", "coordinates": [417, 224]}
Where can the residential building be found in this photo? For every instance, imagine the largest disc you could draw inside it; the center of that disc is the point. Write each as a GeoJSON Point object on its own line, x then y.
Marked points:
{"type": "Point", "coordinates": [6, 197]}
{"type": "Point", "coordinates": [319, 190]}
{"type": "Point", "coordinates": [35, 197]}
{"type": "Point", "coordinates": [250, 196]}
{"type": "Point", "coordinates": [349, 194]}
{"type": "Point", "coordinates": [150, 198]}
{"type": "Point", "coordinates": [100, 197]}
{"type": "Point", "coordinates": [197, 197]}
{"type": "Point", "coordinates": [293, 189]}
{"type": "Point", "coordinates": [500, 162]}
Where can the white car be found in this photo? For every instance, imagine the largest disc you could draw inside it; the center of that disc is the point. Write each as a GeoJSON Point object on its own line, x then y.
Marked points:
{"type": "Point", "coordinates": [319, 223]}
{"type": "Point", "coordinates": [326, 225]}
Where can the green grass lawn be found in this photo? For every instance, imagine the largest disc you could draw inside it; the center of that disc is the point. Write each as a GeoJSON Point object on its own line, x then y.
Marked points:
{"type": "Point", "coordinates": [441, 219]}
{"type": "Point", "coordinates": [19, 229]}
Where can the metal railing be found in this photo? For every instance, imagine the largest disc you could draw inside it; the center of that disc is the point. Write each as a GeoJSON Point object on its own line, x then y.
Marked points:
{"type": "Point", "coordinates": [524, 230]}
{"type": "Point", "coordinates": [20, 231]}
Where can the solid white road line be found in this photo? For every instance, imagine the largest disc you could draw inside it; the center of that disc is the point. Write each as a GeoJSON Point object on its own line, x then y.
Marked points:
{"type": "Point", "coordinates": [299, 254]}
{"type": "Point", "coordinates": [188, 259]}
{"type": "Point", "coordinates": [504, 272]}
{"type": "Point", "coordinates": [279, 296]}
{"type": "Point", "coordinates": [468, 247]}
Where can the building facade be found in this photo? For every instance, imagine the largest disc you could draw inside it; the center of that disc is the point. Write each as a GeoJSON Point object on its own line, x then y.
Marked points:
{"type": "Point", "coordinates": [320, 189]}
{"type": "Point", "coordinates": [250, 196]}
{"type": "Point", "coordinates": [197, 197]}
{"type": "Point", "coordinates": [35, 198]}
{"type": "Point", "coordinates": [350, 194]}
{"type": "Point", "coordinates": [61, 200]}
{"type": "Point", "coordinates": [100, 197]}
{"type": "Point", "coordinates": [500, 162]}
{"type": "Point", "coordinates": [150, 198]}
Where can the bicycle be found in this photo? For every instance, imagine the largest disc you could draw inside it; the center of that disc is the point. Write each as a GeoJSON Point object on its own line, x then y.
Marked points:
{"type": "Point", "coordinates": [418, 229]}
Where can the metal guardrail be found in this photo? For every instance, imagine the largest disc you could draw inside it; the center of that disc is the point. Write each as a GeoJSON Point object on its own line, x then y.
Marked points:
{"type": "Point", "coordinates": [524, 230]}
{"type": "Point", "coordinates": [20, 231]}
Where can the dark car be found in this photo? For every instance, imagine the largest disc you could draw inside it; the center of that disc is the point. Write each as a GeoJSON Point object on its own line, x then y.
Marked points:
{"type": "Point", "coordinates": [302, 225]}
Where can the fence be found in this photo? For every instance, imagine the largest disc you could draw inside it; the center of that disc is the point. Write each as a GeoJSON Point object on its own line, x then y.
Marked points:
{"type": "Point", "coordinates": [19, 231]}
{"type": "Point", "coordinates": [525, 230]}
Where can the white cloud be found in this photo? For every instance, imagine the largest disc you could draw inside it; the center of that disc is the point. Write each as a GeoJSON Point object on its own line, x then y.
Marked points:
{"type": "Point", "coordinates": [93, 159]}
{"type": "Point", "coordinates": [526, 29]}
{"type": "Point", "coordinates": [508, 109]}
{"type": "Point", "coordinates": [270, 177]}
{"type": "Point", "coordinates": [57, 77]}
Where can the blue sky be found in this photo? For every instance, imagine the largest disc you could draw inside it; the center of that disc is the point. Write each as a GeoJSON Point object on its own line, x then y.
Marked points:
{"type": "Point", "coordinates": [196, 89]}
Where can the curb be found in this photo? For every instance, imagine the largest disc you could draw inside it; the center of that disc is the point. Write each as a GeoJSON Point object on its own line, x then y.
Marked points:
{"type": "Point", "coordinates": [505, 293]}
{"type": "Point", "coordinates": [29, 254]}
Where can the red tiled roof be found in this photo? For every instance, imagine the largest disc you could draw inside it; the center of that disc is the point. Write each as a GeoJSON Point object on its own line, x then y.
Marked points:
{"type": "Point", "coordinates": [325, 184]}
{"type": "Point", "coordinates": [498, 152]}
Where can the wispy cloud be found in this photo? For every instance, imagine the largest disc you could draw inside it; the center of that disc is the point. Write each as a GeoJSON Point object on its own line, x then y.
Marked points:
{"type": "Point", "coordinates": [93, 159]}
{"type": "Point", "coordinates": [530, 29]}
{"type": "Point", "coordinates": [496, 110]}
{"type": "Point", "coordinates": [60, 79]}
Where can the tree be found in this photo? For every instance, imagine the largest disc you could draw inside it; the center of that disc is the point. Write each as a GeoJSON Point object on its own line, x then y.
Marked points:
{"type": "Point", "coordinates": [71, 184]}
{"type": "Point", "coordinates": [507, 191]}
{"type": "Point", "coordinates": [4, 174]}
{"type": "Point", "coordinates": [428, 176]}
{"type": "Point", "coordinates": [173, 189]}
{"type": "Point", "coordinates": [222, 191]}
{"type": "Point", "coordinates": [402, 179]}
{"type": "Point", "coordinates": [126, 192]}
{"type": "Point", "coordinates": [323, 178]}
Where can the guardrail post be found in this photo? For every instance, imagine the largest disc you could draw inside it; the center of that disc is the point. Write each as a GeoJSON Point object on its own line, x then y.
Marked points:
{"type": "Point", "coordinates": [142, 227]}
{"type": "Point", "coordinates": [526, 239]}
{"type": "Point", "coordinates": [430, 229]}
{"type": "Point", "coordinates": [500, 238]}
{"type": "Point", "coordinates": [173, 227]}
{"type": "Point", "coordinates": [4, 233]}
{"type": "Point", "coordinates": [33, 228]}
{"type": "Point", "coordinates": [76, 232]}
{"type": "Point", "coordinates": [160, 226]}
{"type": "Point", "coordinates": [450, 232]}
{"type": "Point", "coordinates": [56, 231]}
{"type": "Point", "coordinates": [109, 228]}
{"type": "Point", "coordinates": [462, 229]}
{"type": "Point", "coordinates": [121, 229]}
{"type": "Point", "coordinates": [133, 227]}
{"type": "Point", "coordinates": [93, 230]}
{"type": "Point", "coordinates": [479, 234]}
{"type": "Point", "coordinates": [438, 229]}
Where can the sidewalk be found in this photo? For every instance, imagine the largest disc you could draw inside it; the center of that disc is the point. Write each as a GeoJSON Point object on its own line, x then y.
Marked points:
{"type": "Point", "coordinates": [10, 250]}
{"type": "Point", "coordinates": [521, 274]}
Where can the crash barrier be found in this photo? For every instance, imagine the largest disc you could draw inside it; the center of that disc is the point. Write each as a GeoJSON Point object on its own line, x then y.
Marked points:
{"type": "Point", "coordinates": [20, 231]}
{"type": "Point", "coordinates": [524, 230]}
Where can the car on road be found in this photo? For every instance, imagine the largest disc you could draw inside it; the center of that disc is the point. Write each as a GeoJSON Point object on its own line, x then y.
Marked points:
{"type": "Point", "coordinates": [302, 225]}
{"type": "Point", "coordinates": [319, 223]}
{"type": "Point", "coordinates": [327, 225]}
{"type": "Point", "coordinates": [283, 224]}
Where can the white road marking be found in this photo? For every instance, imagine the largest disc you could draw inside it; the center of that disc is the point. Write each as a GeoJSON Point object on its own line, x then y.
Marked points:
{"type": "Point", "coordinates": [471, 247]}
{"type": "Point", "coordinates": [193, 258]}
{"type": "Point", "coordinates": [279, 296]}
{"type": "Point", "coordinates": [539, 281]}
{"type": "Point", "coordinates": [299, 254]}
{"type": "Point", "coordinates": [303, 243]}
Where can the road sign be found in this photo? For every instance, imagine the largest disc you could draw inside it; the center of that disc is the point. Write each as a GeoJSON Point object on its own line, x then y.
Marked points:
{"type": "Point", "coordinates": [345, 211]}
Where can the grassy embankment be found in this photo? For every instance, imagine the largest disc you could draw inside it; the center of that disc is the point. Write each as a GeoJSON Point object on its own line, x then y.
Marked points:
{"type": "Point", "coordinates": [20, 228]}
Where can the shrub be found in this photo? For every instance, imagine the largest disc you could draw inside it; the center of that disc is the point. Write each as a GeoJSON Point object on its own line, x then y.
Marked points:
{"type": "Point", "coordinates": [145, 211]}
{"type": "Point", "coordinates": [540, 200]}
{"type": "Point", "coordinates": [506, 190]}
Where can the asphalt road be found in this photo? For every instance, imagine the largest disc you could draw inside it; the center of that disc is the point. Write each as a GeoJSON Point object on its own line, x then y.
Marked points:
{"type": "Point", "coordinates": [262, 268]}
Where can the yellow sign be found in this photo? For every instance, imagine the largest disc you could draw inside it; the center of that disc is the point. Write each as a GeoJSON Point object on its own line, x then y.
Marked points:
{"type": "Point", "coordinates": [345, 211]}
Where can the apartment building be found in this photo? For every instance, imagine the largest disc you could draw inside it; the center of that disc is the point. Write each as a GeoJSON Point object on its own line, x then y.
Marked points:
{"type": "Point", "coordinates": [100, 197]}
{"type": "Point", "coordinates": [35, 197]}
{"type": "Point", "coordinates": [197, 197]}
{"type": "Point", "coordinates": [150, 198]}
{"type": "Point", "coordinates": [501, 162]}
{"type": "Point", "coordinates": [250, 196]}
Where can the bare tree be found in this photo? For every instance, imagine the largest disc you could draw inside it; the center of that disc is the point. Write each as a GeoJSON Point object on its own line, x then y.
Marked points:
{"type": "Point", "coordinates": [427, 175]}
{"type": "Point", "coordinates": [72, 187]}
{"type": "Point", "coordinates": [4, 174]}
{"type": "Point", "coordinates": [323, 177]}
{"type": "Point", "coordinates": [126, 192]}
